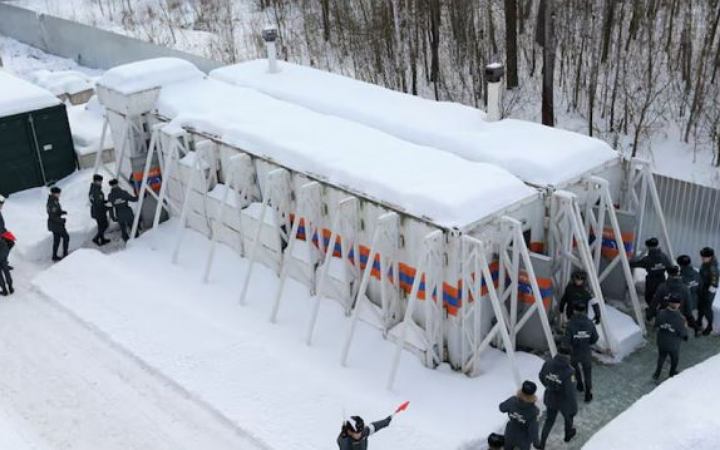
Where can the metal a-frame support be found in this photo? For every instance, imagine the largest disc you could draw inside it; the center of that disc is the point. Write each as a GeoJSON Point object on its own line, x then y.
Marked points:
{"type": "Point", "coordinates": [384, 243]}
{"type": "Point", "coordinates": [476, 273]}
{"type": "Point", "coordinates": [308, 210]}
{"type": "Point", "coordinates": [126, 142]}
{"type": "Point", "coordinates": [599, 207]}
{"type": "Point", "coordinates": [240, 180]}
{"type": "Point", "coordinates": [153, 150]}
{"type": "Point", "coordinates": [512, 251]}
{"type": "Point", "coordinates": [641, 183]}
{"type": "Point", "coordinates": [429, 272]}
{"type": "Point", "coordinates": [569, 248]}
{"type": "Point", "coordinates": [344, 225]}
{"type": "Point", "coordinates": [99, 163]}
{"type": "Point", "coordinates": [277, 197]}
{"type": "Point", "coordinates": [203, 155]}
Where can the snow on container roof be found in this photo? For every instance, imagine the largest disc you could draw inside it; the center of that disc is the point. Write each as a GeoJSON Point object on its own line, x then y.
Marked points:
{"type": "Point", "coordinates": [18, 96]}
{"type": "Point", "coordinates": [148, 74]}
{"type": "Point", "coordinates": [537, 154]}
{"type": "Point", "coordinates": [424, 182]}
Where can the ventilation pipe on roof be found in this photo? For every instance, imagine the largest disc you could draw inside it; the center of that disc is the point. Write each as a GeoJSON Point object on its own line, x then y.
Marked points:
{"type": "Point", "coordinates": [269, 35]}
{"type": "Point", "coordinates": [494, 73]}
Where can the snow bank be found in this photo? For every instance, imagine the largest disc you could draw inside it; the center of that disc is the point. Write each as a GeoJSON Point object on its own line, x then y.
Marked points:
{"type": "Point", "coordinates": [680, 413]}
{"type": "Point", "coordinates": [62, 81]}
{"type": "Point", "coordinates": [86, 124]}
{"type": "Point", "coordinates": [263, 377]}
{"type": "Point", "coordinates": [148, 74]}
{"type": "Point", "coordinates": [624, 332]}
{"type": "Point", "coordinates": [537, 154]}
{"type": "Point", "coordinates": [16, 435]}
{"type": "Point", "coordinates": [422, 181]}
{"type": "Point", "coordinates": [18, 96]}
{"type": "Point", "coordinates": [25, 216]}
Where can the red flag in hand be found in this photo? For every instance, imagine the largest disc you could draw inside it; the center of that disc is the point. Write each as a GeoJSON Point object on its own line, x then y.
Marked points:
{"type": "Point", "coordinates": [403, 406]}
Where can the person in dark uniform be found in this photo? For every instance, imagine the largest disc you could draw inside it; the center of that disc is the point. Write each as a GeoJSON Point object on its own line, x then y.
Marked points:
{"type": "Point", "coordinates": [577, 292]}
{"type": "Point", "coordinates": [582, 334]}
{"type": "Point", "coordinates": [98, 210]}
{"type": "Point", "coordinates": [496, 441]}
{"type": "Point", "coordinates": [56, 223]}
{"type": "Point", "coordinates": [522, 428]}
{"type": "Point", "coordinates": [674, 285]}
{"type": "Point", "coordinates": [2, 219]}
{"type": "Point", "coordinates": [691, 278]}
{"type": "Point", "coordinates": [709, 275]}
{"type": "Point", "coordinates": [6, 281]}
{"type": "Point", "coordinates": [354, 434]}
{"type": "Point", "coordinates": [670, 326]}
{"type": "Point", "coordinates": [654, 262]}
{"type": "Point", "coordinates": [121, 211]}
{"type": "Point", "coordinates": [558, 378]}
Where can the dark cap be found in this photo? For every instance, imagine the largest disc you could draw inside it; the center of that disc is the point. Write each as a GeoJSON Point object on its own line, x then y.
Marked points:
{"type": "Point", "coordinates": [55, 190]}
{"type": "Point", "coordinates": [652, 242]}
{"type": "Point", "coordinates": [113, 182]}
{"type": "Point", "coordinates": [579, 275]}
{"type": "Point", "coordinates": [529, 388]}
{"type": "Point", "coordinates": [496, 440]}
{"type": "Point", "coordinates": [674, 298]}
{"type": "Point", "coordinates": [97, 177]}
{"type": "Point", "coordinates": [707, 252]}
{"type": "Point", "coordinates": [672, 270]}
{"type": "Point", "coordinates": [684, 260]}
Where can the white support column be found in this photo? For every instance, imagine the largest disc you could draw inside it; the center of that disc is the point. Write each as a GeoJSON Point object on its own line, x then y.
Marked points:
{"type": "Point", "coordinates": [144, 184]}
{"type": "Point", "coordinates": [272, 178]}
{"type": "Point", "coordinates": [197, 168]}
{"type": "Point", "coordinates": [430, 249]}
{"type": "Point", "coordinates": [308, 194]}
{"type": "Point", "coordinates": [385, 220]}
{"type": "Point", "coordinates": [640, 173]}
{"type": "Point", "coordinates": [99, 162]}
{"type": "Point", "coordinates": [347, 207]}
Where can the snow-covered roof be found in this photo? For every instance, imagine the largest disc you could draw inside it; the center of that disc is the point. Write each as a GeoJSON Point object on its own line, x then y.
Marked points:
{"type": "Point", "coordinates": [537, 154]}
{"type": "Point", "coordinates": [421, 181]}
{"type": "Point", "coordinates": [62, 81]}
{"type": "Point", "coordinates": [18, 96]}
{"type": "Point", "coordinates": [148, 74]}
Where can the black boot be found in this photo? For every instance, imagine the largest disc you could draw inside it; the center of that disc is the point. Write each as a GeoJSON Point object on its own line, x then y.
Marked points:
{"type": "Point", "coordinates": [588, 398]}
{"type": "Point", "coordinates": [707, 331]}
{"type": "Point", "coordinates": [570, 434]}
{"type": "Point", "coordinates": [4, 292]}
{"type": "Point", "coordinates": [56, 258]}
{"type": "Point", "coordinates": [10, 288]}
{"type": "Point", "coordinates": [580, 387]}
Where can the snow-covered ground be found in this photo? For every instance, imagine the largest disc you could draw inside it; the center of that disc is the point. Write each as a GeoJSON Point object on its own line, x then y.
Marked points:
{"type": "Point", "coordinates": [262, 376]}
{"type": "Point", "coordinates": [29, 219]}
{"type": "Point", "coordinates": [23, 60]}
{"type": "Point", "coordinates": [679, 414]}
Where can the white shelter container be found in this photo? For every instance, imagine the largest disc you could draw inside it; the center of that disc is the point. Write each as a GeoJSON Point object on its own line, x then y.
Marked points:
{"type": "Point", "coordinates": [543, 157]}
{"type": "Point", "coordinates": [401, 221]}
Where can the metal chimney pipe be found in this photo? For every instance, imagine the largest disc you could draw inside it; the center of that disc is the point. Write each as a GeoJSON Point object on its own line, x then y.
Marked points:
{"type": "Point", "coordinates": [269, 35]}
{"type": "Point", "coordinates": [494, 73]}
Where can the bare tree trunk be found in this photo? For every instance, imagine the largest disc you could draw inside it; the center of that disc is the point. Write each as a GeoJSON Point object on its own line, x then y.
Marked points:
{"type": "Point", "coordinates": [607, 27]}
{"type": "Point", "coordinates": [511, 43]}
{"type": "Point", "coordinates": [434, 12]}
{"type": "Point", "coordinates": [548, 113]}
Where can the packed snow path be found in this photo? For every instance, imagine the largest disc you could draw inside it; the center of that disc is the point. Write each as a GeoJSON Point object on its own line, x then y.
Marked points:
{"type": "Point", "coordinates": [617, 387]}
{"type": "Point", "coordinates": [63, 386]}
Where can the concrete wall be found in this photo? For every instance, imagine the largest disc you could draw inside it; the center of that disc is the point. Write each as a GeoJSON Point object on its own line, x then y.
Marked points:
{"type": "Point", "coordinates": [88, 46]}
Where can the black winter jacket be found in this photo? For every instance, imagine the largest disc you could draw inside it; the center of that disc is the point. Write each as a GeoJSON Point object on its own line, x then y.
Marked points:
{"type": "Point", "coordinates": [670, 326]}
{"type": "Point", "coordinates": [557, 375]}
{"type": "Point", "coordinates": [347, 443]}
{"type": "Point", "coordinates": [56, 221]}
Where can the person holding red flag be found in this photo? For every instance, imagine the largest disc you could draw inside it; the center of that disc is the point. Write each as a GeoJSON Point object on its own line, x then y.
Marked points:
{"type": "Point", "coordinates": [354, 434]}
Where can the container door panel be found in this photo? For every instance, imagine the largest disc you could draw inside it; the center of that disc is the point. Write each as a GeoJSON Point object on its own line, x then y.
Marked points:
{"type": "Point", "coordinates": [55, 142]}
{"type": "Point", "coordinates": [19, 168]}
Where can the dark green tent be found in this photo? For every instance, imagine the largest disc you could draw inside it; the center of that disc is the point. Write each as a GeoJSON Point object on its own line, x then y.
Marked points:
{"type": "Point", "coordinates": [36, 147]}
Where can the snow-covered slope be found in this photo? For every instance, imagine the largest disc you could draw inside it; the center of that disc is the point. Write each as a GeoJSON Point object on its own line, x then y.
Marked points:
{"type": "Point", "coordinates": [679, 414]}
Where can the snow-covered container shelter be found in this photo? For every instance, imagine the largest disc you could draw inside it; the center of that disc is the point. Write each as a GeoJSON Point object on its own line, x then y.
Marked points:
{"type": "Point", "coordinates": [427, 246]}
{"type": "Point", "coordinates": [36, 147]}
{"type": "Point", "coordinates": [587, 186]}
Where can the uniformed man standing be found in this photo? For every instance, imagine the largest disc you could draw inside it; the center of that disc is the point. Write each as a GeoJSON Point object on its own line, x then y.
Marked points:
{"type": "Point", "coordinates": [670, 326]}
{"type": "Point", "coordinates": [654, 262]}
{"type": "Point", "coordinates": [56, 223]}
{"type": "Point", "coordinates": [121, 210]}
{"type": "Point", "coordinates": [691, 278]}
{"type": "Point", "coordinates": [709, 276]}
{"type": "Point", "coordinates": [582, 334]}
{"type": "Point", "coordinates": [674, 285]}
{"type": "Point", "coordinates": [558, 378]}
{"type": "Point", "coordinates": [522, 428]}
{"type": "Point", "coordinates": [98, 209]}
{"type": "Point", "coordinates": [577, 292]}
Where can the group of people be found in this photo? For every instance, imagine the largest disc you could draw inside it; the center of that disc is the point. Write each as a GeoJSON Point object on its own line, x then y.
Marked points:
{"type": "Point", "coordinates": [671, 304]}
{"type": "Point", "coordinates": [117, 205]}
